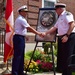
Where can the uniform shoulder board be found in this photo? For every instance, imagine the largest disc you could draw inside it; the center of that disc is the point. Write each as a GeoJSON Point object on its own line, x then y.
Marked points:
{"type": "Point", "coordinates": [68, 13]}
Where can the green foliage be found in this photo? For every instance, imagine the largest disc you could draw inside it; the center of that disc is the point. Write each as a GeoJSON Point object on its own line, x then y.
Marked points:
{"type": "Point", "coordinates": [47, 48]}
{"type": "Point", "coordinates": [27, 57]}
{"type": "Point", "coordinates": [42, 60]}
{"type": "Point", "coordinates": [29, 53]}
{"type": "Point", "coordinates": [37, 55]}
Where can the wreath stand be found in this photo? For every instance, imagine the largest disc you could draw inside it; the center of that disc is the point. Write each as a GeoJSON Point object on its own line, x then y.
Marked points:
{"type": "Point", "coordinates": [33, 55]}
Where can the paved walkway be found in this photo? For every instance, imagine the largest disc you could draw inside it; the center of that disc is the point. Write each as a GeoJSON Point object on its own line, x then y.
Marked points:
{"type": "Point", "coordinates": [31, 46]}
{"type": "Point", "coordinates": [3, 71]}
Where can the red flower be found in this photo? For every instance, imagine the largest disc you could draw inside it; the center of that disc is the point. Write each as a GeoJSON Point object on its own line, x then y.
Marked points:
{"type": "Point", "coordinates": [38, 61]}
{"type": "Point", "coordinates": [45, 66]}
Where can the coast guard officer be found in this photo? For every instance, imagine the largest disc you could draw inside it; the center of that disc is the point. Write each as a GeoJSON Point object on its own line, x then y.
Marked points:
{"type": "Point", "coordinates": [21, 27]}
{"type": "Point", "coordinates": [65, 27]}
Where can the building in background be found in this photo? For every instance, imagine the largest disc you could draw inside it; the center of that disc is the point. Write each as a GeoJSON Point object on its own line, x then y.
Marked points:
{"type": "Point", "coordinates": [48, 3]}
{"type": "Point", "coordinates": [33, 7]}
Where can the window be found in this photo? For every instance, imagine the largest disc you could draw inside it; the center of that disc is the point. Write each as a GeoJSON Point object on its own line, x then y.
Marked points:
{"type": "Point", "coordinates": [48, 3]}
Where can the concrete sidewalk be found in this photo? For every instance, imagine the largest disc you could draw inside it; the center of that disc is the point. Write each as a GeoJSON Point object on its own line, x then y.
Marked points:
{"type": "Point", "coordinates": [31, 46]}
{"type": "Point", "coordinates": [44, 73]}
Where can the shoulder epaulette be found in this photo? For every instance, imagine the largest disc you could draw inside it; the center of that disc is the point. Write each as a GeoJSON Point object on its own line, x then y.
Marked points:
{"type": "Point", "coordinates": [68, 13]}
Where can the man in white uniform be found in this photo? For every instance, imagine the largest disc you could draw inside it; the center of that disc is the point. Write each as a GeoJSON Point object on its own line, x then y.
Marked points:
{"type": "Point", "coordinates": [65, 27]}
{"type": "Point", "coordinates": [20, 29]}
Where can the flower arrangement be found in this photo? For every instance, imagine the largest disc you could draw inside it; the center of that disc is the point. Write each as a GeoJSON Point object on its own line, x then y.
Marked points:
{"type": "Point", "coordinates": [33, 67]}
{"type": "Point", "coordinates": [44, 66]}
{"type": "Point", "coordinates": [41, 62]}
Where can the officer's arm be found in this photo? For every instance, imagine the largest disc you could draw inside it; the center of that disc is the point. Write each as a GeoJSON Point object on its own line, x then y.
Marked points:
{"type": "Point", "coordinates": [51, 30]}
{"type": "Point", "coordinates": [72, 25]}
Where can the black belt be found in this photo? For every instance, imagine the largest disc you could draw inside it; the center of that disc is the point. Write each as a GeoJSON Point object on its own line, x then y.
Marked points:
{"type": "Point", "coordinates": [61, 36]}
{"type": "Point", "coordinates": [19, 35]}
{"type": "Point", "coordinates": [64, 34]}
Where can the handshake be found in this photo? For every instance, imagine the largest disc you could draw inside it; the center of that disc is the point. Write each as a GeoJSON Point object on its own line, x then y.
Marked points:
{"type": "Point", "coordinates": [42, 34]}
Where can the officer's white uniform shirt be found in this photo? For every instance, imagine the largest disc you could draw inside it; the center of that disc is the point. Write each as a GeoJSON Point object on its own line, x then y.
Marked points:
{"type": "Point", "coordinates": [62, 23]}
{"type": "Point", "coordinates": [20, 25]}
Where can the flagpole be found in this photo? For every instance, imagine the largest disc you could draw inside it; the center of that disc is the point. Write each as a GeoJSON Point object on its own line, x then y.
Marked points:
{"type": "Point", "coordinates": [7, 71]}
{"type": "Point", "coordinates": [8, 45]}
{"type": "Point", "coordinates": [7, 65]}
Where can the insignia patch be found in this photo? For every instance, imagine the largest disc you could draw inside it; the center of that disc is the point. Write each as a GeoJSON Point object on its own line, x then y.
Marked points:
{"type": "Point", "coordinates": [68, 13]}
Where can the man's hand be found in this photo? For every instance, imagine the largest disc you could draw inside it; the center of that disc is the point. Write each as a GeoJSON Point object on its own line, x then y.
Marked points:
{"type": "Point", "coordinates": [64, 39]}
{"type": "Point", "coordinates": [42, 34]}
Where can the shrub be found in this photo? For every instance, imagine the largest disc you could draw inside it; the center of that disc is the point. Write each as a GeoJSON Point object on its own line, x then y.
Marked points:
{"type": "Point", "coordinates": [41, 61]}
{"type": "Point", "coordinates": [37, 55]}
{"type": "Point", "coordinates": [47, 48]}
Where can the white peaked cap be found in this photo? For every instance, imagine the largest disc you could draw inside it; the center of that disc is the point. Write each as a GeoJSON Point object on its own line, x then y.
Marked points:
{"type": "Point", "coordinates": [23, 8]}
